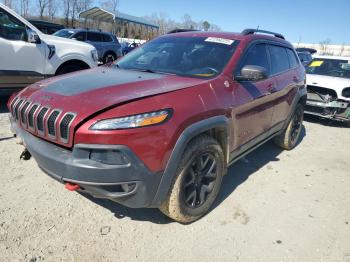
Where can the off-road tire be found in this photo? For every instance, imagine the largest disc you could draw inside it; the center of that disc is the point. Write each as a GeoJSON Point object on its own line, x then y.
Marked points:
{"type": "Point", "coordinates": [286, 140]}
{"type": "Point", "coordinates": [175, 205]}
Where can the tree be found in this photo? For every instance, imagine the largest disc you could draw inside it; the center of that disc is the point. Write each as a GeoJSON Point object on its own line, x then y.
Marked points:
{"type": "Point", "coordinates": [42, 7]}
{"type": "Point", "coordinates": [52, 9]}
{"type": "Point", "coordinates": [8, 3]}
{"type": "Point", "coordinates": [24, 7]}
{"type": "Point", "coordinates": [110, 5]}
{"type": "Point", "coordinates": [206, 25]}
{"type": "Point", "coordinates": [324, 46]}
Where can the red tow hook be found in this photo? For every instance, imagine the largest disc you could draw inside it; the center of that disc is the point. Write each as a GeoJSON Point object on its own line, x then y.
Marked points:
{"type": "Point", "coordinates": [71, 187]}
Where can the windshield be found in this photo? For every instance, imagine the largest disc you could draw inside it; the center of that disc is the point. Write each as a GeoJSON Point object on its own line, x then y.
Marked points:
{"type": "Point", "coordinates": [186, 56]}
{"type": "Point", "coordinates": [64, 33]}
{"type": "Point", "coordinates": [329, 67]}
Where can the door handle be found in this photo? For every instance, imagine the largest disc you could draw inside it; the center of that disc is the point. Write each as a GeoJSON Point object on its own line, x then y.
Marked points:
{"type": "Point", "coordinates": [271, 88]}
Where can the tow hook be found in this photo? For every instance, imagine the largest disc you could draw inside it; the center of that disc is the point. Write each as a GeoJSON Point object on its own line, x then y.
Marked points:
{"type": "Point", "coordinates": [71, 187]}
{"type": "Point", "coordinates": [25, 155]}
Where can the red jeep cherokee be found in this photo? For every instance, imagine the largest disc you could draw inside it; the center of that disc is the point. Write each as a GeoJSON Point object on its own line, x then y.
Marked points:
{"type": "Point", "coordinates": [159, 127]}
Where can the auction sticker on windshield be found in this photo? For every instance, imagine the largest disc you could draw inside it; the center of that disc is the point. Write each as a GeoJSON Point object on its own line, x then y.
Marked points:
{"type": "Point", "coordinates": [316, 63]}
{"type": "Point", "coordinates": [220, 40]}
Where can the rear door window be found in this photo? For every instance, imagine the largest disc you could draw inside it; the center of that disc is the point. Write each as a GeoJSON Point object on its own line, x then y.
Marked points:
{"type": "Point", "coordinates": [257, 55]}
{"type": "Point", "coordinates": [81, 36]}
{"type": "Point", "coordinates": [279, 59]}
{"type": "Point", "coordinates": [293, 61]}
{"type": "Point", "coordinates": [107, 38]}
{"type": "Point", "coordinates": [94, 37]}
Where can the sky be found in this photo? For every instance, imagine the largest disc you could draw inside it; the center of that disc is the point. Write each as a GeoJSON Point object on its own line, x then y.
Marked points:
{"type": "Point", "coordinates": [305, 21]}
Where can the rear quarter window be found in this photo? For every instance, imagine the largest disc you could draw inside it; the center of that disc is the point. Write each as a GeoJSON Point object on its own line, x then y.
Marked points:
{"type": "Point", "coordinates": [293, 60]}
{"type": "Point", "coordinates": [107, 38]}
{"type": "Point", "coordinates": [279, 59]}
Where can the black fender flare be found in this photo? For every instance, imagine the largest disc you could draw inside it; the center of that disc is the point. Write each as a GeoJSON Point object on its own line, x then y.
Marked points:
{"type": "Point", "coordinates": [187, 135]}
{"type": "Point", "coordinates": [300, 98]}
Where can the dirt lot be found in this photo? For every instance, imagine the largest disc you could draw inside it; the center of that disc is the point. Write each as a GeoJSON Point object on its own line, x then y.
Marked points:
{"type": "Point", "coordinates": [274, 206]}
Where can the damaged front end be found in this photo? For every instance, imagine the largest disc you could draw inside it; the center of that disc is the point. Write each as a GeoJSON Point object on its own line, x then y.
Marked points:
{"type": "Point", "coordinates": [324, 102]}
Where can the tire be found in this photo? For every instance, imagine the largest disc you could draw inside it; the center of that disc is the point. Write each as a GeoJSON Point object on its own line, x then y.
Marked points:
{"type": "Point", "coordinates": [109, 58]}
{"type": "Point", "coordinates": [291, 135]}
{"type": "Point", "coordinates": [69, 69]}
{"type": "Point", "coordinates": [197, 181]}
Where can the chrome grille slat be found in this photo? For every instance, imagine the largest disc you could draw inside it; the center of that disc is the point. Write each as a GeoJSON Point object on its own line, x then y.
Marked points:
{"type": "Point", "coordinates": [13, 105]}
{"type": "Point", "coordinates": [17, 108]}
{"type": "Point", "coordinates": [51, 123]}
{"type": "Point", "coordinates": [64, 126]}
{"type": "Point", "coordinates": [40, 120]}
{"type": "Point", "coordinates": [23, 113]}
{"type": "Point", "coordinates": [31, 113]}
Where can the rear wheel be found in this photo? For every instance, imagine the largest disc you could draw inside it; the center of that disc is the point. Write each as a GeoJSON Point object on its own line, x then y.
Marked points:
{"type": "Point", "coordinates": [109, 58]}
{"type": "Point", "coordinates": [197, 182]}
{"type": "Point", "coordinates": [290, 137]}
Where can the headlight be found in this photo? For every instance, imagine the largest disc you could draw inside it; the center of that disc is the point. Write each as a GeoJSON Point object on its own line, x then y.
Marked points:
{"type": "Point", "coordinates": [94, 55]}
{"type": "Point", "coordinates": [134, 121]}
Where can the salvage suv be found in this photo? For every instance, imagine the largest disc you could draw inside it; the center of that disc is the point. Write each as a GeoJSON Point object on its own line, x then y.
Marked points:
{"type": "Point", "coordinates": [163, 134]}
{"type": "Point", "coordinates": [27, 55]}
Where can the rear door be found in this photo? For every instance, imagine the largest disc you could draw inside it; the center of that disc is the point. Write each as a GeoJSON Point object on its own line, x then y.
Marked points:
{"type": "Point", "coordinates": [254, 102]}
{"type": "Point", "coordinates": [21, 62]}
{"type": "Point", "coordinates": [284, 65]}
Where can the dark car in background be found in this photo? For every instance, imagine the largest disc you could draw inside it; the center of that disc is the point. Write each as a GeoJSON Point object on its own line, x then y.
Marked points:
{"type": "Point", "coordinates": [128, 47]}
{"type": "Point", "coordinates": [46, 27]}
{"type": "Point", "coordinates": [305, 58]}
{"type": "Point", "coordinates": [107, 45]}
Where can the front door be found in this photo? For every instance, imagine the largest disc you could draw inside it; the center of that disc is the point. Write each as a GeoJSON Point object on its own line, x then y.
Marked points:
{"type": "Point", "coordinates": [253, 106]}
{"type": "Point", "coordinates": [21, 62]}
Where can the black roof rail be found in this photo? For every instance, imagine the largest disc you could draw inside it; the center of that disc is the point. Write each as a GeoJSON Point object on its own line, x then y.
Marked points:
{"type": "Point", "coordinates": [253, 31]}
{"type": "Point", "coordinates": [180, 30]}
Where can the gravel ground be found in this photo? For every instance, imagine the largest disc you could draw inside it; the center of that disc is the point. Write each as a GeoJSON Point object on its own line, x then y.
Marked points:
{"type": "Point", "coordinates": [274, 206]}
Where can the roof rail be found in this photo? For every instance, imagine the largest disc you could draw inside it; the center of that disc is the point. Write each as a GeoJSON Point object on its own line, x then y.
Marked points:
{"type": "Point", "coordinates": [180, 30]}
{"type": "Point", "coordinates": [253, 31]}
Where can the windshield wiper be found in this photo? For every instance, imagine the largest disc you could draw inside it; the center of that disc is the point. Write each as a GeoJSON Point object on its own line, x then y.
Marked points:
{"type": "Point", "coordinates": [147, 70]}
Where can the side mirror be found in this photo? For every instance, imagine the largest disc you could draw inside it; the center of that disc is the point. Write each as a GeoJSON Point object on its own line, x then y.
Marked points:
{"type": "Point", "coordinates": [252, 73]}
{"type": "Point", "coordinates": [33, 37]}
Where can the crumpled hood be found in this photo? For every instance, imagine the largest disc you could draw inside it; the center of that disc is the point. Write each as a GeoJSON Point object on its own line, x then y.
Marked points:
{"type": "Point", "coordinates": [335, 83]}
{"type": "Point", "coordinates": [91, 91]}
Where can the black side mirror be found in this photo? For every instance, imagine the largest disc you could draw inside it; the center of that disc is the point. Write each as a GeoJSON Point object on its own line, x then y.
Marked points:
{"type": "Point", "coordinates": [252, 73]}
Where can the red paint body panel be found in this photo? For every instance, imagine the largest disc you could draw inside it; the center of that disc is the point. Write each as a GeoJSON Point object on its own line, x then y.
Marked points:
{"type": "Point", "coordinates": [192, 100]}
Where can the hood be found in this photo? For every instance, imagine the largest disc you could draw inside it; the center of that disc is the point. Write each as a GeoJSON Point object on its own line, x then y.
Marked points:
{"type": "Point", "coordinates": [335, 83]}
{"type": "Point", "coordinates": [56, 40]}
{"type": "Point", "coordinates": [88, 92]}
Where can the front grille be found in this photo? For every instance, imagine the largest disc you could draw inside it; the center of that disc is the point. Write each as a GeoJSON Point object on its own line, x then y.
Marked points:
{"type": "Point", "coordinates": [23, 113]}
{"type": "Point", "coordinates": [40, 119]}
{"type": "Point", "coordinates": [16, 109]}
{"type": "Point", "coordinates": [64, 126]}
{"type": "Point", "coordinates": [322, 91]}
{"type": "Point", "coordinates": [31, 116]}
{"type": "Point", "coordinates": [12, 106]}
{"type": "Point", "coordinates": [51, 123]}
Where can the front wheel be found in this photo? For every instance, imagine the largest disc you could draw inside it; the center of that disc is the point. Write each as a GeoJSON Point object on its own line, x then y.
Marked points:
{"type": "Point", "coordinates": [291, 135]}
{"type": "Point", "coordinates": [197, 182]}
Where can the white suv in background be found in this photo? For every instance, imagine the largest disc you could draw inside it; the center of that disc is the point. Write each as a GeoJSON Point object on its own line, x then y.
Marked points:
{"type": "Point", "coordinates": [328, 87]}
{"type": "Point", "coordinates": [27, 55]}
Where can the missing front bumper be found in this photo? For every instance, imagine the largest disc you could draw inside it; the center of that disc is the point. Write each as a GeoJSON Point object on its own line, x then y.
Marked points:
{"type": "Point", "coordinates": [336, 110]}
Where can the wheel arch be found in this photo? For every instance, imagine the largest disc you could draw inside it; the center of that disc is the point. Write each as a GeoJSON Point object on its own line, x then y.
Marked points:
{"type": "Point", "coordinates": [217, 127]}
{"type": "Point", "coordinates": [73, 62]}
